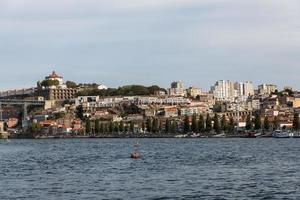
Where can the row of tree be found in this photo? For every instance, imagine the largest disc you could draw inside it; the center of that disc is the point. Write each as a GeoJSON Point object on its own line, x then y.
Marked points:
{"type": "Point", "coordinates": [129, 90]}
{"type": "Point", "coordinates": [256, 123]}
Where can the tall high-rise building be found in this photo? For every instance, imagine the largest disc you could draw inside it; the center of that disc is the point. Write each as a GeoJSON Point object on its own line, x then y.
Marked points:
{"type": "Point", "coordinates": [224, 90]}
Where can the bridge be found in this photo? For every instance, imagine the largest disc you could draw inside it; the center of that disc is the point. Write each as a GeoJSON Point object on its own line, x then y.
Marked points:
{"type": "Point", "coordinates": [24, 103]}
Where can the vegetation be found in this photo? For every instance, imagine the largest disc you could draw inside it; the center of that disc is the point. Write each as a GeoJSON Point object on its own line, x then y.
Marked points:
{"type": "Point", "coordinates": [266, 123]}
{"type": "Point", "coordinates": [216, 124]}
{"type": "Point", "coordinates": [34, 128]}
{"type": "Point", "coordinates": [208, 124]}
{"type": "Point", "coordinates": [186, 125]}
{"type": "Point", "coordinates": [129, 90]}
{"type": "Point", "coordinates": [248, 123]}
{"type": "Point", "coordinates": [71, 84]}
{"type": "Point", "coordinates": [195, 124]}
{"type": "Point", "coordinates": [48, 83]}
{"type": "Point", "coordinates": [257, 122]}
{"type": "Point", "coordinates": [296, 123]}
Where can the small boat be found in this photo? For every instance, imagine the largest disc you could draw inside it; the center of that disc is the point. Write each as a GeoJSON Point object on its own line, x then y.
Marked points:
{"type": "Point", "coordinates": [282, 134]}
{"type": "Point", "coordinates": [135, 154]}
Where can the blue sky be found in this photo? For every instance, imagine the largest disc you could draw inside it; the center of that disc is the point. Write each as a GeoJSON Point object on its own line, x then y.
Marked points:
{"type": "Point", "coordinates": [118, 42]}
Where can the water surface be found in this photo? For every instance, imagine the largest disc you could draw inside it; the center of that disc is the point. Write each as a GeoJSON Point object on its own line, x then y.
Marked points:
{"type": "Point", "coordinates": [170, 169]}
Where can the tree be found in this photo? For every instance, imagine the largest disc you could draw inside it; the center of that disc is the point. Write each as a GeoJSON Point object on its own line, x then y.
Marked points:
{"type": "Point", "coordinates": [173, 127]}
{"type": "Point", "coordinates": [186, 125]}
{"type": "Point", "coordinates": [88, 127]}
{"type": "Point", "coordinates": [149, 125]}
{"type": "Point", "coordinates": [34, 128]}
{"type": "Point", "coordinates": [201, 124]}
{"type": "Point", "coordinates": [216, 124]}
{"type": "Point", "coordinates": [231, 125]}
{"type": "Point", "coordinates": [121, 126]}
{"type": "Point", "coordinates": [79, 112]}
{"type": "Point", "coordinates": [296, 124]}
{"type": "Point", "coordinates": [71, 84]}
{"type": "Point", "coordinates": [111, 127]}
{"type": "Point", "coordinates": [116, 127]}
{"type": "Point", "coordinates": [155, 125]}
{"type": "Point", "coordinates": [257, 122]}
{"type": "Point", "coordinates": [97, 126]}
{"type": "Point", "coordinates": [101, 130]}
{"type": "Point", "coordinates": [276, 122]}
{"type": "Point", "coordinates": [195, 124]}
{"type": "Point", "coordinates": [266, 123]}
{"type": "Point", "coordinates": [224, 125]}
{"type": "Point", "coordinates": [167, 126]}
{"type": "Point", "coordinates": [143, 126]}
{"type": "Point", "coordinates": [208, 124]}
{"type": "Point", "coordinates": [131, 127]}
{"type": "Point", "coordinates": [48, 83]}
{"type": "Point", "coordinates": [248, 123]}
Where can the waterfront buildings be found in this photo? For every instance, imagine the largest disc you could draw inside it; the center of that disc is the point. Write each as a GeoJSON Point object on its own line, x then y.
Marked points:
{"type": "Point", "coordinates": [54, 88]}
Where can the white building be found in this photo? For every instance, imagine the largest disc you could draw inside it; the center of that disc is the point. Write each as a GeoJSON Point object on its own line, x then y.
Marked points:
{"type": "Point", "coordinates": [267, 88]}
{"type": "Point", "coordinates": [224, 90]}
{"type": "Point", "coordinates": [177, 89]}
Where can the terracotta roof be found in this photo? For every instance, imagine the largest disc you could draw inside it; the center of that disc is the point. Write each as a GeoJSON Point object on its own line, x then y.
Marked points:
{"type": "Point", "coordinates": [54, 75]}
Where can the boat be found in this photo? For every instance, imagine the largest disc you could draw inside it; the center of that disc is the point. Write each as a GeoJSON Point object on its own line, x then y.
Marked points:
{"type": "Point", "coordinates": [136, 154]}
{"type": "Point", "coordinates": [282, 134]}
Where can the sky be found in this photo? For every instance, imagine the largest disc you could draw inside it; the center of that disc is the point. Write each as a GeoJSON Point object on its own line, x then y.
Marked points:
{"type": "Point", "coordinates": [120, 42]}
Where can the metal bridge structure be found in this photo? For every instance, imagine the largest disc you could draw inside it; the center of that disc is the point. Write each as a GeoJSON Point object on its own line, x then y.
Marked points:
{"type": "Point", "coordinates": [24, 104]}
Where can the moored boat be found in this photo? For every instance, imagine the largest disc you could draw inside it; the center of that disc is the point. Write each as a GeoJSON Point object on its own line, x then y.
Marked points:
{"type": "Point", "coordinates": [282, 134]}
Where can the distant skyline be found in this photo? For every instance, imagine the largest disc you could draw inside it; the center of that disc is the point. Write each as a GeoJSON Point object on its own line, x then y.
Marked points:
{"type": "Point", "coordinates": [120, 42]}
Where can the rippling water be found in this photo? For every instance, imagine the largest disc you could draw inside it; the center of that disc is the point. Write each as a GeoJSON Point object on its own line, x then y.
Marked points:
{"type": "Point", "coordinates": [169, 169]}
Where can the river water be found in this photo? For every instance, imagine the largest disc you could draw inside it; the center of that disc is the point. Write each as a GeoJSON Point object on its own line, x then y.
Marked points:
{"type": "Point", "coordinates": [169, 169]}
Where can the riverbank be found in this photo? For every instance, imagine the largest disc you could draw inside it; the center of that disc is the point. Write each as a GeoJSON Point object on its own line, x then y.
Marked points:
{"type": "Point", "coordinates": [31, 136]}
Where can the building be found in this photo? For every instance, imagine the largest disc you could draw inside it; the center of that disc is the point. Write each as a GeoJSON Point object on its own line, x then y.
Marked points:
{"type": "Point", "coordinates": [224, 90]}
{"type": "Point", "coordinates": [266, 89]}
{"type": "Point", "coordinates": [55, 92]}
{"type": "Point", "coordinates": [177, 89]}
{"type": "Point", "coordinates": [193, 92]}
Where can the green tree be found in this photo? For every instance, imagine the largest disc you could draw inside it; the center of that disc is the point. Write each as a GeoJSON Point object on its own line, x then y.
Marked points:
{"type": "Point", "coordinates": [296, 124]}
{"type": "Point", "coordinates": [276, 122]}
{"type": "Point", "coordinates": [48, 83]}
{"type": "Point", "coordinates": [216, 124]}
{"type": "Point", "coordinates": [155, 125]}
{"type": "Point", "coordinates": [201, 124]}
{"type": "Point", "coordinates": [131, 127]}
{"type": "Point", "coordinates": [168, 126]}
{"type": "Point", "coordinates": [116, 127]}
{"type": "Point", "coordinates": [88, 126]}
{"type": "Point", "coordinates": [111, 127]}
{"type": "Point", "coordinates": [195, 124]}
{"type": "Point", "coordinates": [266, 123]}
{"type": "Point", "coordinates": [186, 125]}
{"type": "Point", "coordinates": [121, 127]}
{"type": "Point", "coordinates": [102, 129]}
{"type": "Point", "coordinates": [173, 127]}
{"type": "Point", "coordinates": [208, 124]}
{"type": "Point", "coordinates": [149, 125]}
{"type": "Point", "coordinates": [71, 84]}
{"type": "Point", "coordinates": [248, 122]}
{"type": "Point", "coordinates": [79, 112]}
{"type": "Point", "coordinates": [34, 128]}
{"type": "Point", "coordinates": [224, 123]}
{"type": "Point", "coordinates": [143, 126]}
{"type": "Point", "coordinates": [257, 122]}
{"type": "Point", "coordinates": [97, 126]}
{"type": "Point", "coordinates": [231, 125]}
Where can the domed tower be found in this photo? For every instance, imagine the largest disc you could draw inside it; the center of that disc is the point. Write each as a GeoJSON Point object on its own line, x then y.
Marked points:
{"type": "Point", "coordinates": [54, 76]}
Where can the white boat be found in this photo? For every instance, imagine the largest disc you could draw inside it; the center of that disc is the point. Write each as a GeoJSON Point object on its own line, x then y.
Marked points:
{"type": "Point", "coordinates": [282, 134]}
